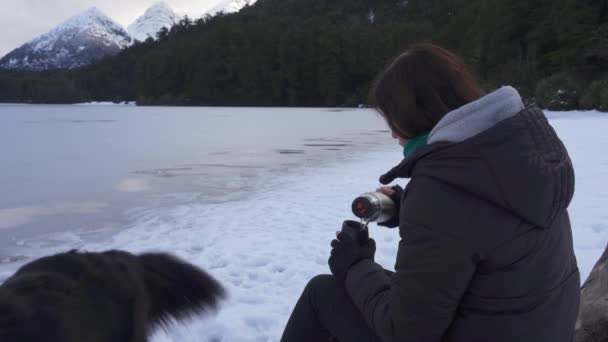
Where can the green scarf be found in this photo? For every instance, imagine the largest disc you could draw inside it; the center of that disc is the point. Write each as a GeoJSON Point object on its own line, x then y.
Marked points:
{"type": "Point", "coordinates": [415, 143]}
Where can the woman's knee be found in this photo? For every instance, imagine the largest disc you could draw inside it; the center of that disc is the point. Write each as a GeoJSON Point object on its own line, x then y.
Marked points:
{"type": "Point", "coordinates": [322, 284]}
{"type": "Point", "coordinates": [322, 280]}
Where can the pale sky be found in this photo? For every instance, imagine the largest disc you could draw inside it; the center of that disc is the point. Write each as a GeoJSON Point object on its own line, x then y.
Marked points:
{"type": "Point", "coordinates": [23, 20]}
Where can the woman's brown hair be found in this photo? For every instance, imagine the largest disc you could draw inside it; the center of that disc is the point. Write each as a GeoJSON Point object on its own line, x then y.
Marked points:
{"type": "Point", "coordinates": [420, 87]}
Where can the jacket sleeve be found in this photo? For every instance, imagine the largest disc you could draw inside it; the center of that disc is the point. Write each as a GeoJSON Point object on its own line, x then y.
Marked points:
{"type": "Point", "coordinates": [419, 301]}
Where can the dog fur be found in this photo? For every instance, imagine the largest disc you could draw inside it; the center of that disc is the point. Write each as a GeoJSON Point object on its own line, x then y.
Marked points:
{"type": "Point", "coordinates": [101, 297]}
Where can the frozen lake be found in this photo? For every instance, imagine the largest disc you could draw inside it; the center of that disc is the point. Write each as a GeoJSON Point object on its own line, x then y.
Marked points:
{"type": "Point", "coordinates": [80, 172]}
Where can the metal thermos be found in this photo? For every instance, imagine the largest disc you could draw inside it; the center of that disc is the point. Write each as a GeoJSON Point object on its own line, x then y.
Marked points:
{"type": "Point", "coordinates": [374, 207]}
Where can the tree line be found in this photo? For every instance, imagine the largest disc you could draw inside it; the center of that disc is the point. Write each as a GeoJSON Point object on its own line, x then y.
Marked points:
{"type": "Point", "coordinates": [327, 53]}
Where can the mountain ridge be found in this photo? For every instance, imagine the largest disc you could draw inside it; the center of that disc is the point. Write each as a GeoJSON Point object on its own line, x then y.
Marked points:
{"type": "Point", "coordinates": [91, 35]}
{"type": "Point", "coordinates": [159, 15]}
{"type": "Point", "coordinates": [73, 43]}
{"type": "Point", "coordinates": [230, 6]}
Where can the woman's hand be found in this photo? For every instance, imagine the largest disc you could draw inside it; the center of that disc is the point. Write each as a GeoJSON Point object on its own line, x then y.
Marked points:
{"type": "Point", "coordinates": [395, 192]}
{"type": "Point", "coordinates": [346, 251]}
{"type": "Point", "coordinates": [387, 190]}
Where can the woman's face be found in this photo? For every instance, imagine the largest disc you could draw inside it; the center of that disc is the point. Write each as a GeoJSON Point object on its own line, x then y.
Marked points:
{"type": "Point", "coordinates": [402, 141]}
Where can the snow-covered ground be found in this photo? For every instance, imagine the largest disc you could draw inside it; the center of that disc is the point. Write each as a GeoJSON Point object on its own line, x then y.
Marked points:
{"type": "Point", "coordinates": [265, 248]}
{"type": "Point", "coordinates": [131, 103]}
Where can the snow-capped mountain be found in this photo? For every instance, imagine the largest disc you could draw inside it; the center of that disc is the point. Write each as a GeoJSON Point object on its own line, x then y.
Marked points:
{"type": "Point", "coordinates": [230, 6]}
{"type": "Point", "coordinates": [155, 18]}
{"type": "Point", "coordinates": [74, 43]}
{"type": "Point", "coordinates": [93, 35]}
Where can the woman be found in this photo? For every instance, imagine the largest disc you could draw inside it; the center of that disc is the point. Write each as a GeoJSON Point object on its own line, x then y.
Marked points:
{"type": "Point", "coordinates": [486, 247]}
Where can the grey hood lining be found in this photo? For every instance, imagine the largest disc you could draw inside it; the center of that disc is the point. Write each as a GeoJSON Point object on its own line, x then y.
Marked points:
{"type": "Point", "coordinates": [478, 116]}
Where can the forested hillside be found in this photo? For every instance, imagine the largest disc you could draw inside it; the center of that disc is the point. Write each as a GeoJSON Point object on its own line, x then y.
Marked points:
{"type": "Point", "coordinates": [327, 52]}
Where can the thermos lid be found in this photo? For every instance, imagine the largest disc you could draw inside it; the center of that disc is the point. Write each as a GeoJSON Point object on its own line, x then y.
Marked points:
{"type": "Point", "coordinates": [373, 206]}
{"type": "Point", "coordinates": [363, 207]}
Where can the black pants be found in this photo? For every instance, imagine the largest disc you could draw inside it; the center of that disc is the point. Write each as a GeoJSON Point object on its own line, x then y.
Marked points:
{"type": "Point", "coordinates": [325, 313]}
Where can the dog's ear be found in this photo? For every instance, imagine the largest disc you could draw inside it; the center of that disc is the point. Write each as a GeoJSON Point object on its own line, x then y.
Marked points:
{"type": "Point", "coordinates": [177, 289]}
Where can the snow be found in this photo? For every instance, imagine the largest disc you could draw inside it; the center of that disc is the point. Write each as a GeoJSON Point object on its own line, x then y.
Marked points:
{"type": "Point", "coordinates": [92, 21]}
{"type": "Point", "coordinates": [265, 247]}
{"type": "Point", "coordinates": [371, 17]}
{"type": "Point", "coordinates": [79, 40]}
{"type": "Point", "coordinates": [153, 20]}
{"type": "Point", "coordinates": [130, 103]}
{"type": "Point", "coordinates": [66, 45]}
{"type": "Point", "coordinates": [230, 6]}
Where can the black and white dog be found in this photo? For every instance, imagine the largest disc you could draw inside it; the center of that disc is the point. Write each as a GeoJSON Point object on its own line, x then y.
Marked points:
{"type": "Point", "coordinates": [113, 296]}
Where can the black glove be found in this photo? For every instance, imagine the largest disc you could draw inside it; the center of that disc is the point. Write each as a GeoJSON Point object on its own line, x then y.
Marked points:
{"type": "Point", "coordinates": [396, 198]}
{"type": "Point", "coordinates": [347, 250]}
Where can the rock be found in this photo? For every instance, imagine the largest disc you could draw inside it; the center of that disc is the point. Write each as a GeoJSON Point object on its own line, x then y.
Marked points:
{"type": "Point", "coordinates": [592, 324]}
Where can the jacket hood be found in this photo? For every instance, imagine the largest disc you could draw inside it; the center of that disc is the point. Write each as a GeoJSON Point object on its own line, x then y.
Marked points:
{"type": "Point", "coordinates": [501, 152]}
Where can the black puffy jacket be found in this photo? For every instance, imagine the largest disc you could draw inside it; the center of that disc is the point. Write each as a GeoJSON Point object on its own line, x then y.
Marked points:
{"type": "Point", "coordinates": [486, 251]}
